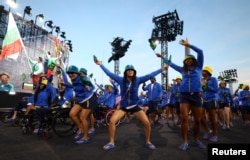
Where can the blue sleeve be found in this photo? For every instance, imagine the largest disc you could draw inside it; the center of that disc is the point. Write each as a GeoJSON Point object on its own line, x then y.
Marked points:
{"type": "Point", "coordinates": [148, 76]}
{"type": "Point", "coordinates": [175, 67]}
{"type": "Point", "coordinates": [110, 74]}
{"type": "Point", "coordinates": [214, 87]}
{"type": "Point", "coordinates": [100, 87]}
{"type": "Point", "coordinates": [144, 88]}
{"type": "Point", "coordinates": [65, 79]}
{"type": "Point", "coordinates": [200, 56]}
{"type": "Point", "coordinates": [115, 88]}
{"type": "Point", "coordinates": [160, 89]}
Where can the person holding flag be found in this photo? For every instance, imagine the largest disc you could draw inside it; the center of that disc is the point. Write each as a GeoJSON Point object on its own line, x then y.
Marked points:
{"type": "Point", "coordinates": [190, 93]}
{"type": "Point", "coordinates": [37, 70]}
{"type": "Point", "coordinates": [50, 63]}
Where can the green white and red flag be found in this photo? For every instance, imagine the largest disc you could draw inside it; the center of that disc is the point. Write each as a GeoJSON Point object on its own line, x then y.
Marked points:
{"type": "Point", "coordinates": [12, 43]}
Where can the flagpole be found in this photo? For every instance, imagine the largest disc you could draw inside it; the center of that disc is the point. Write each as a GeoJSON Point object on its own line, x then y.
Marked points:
{"type": "Point", "coordinates": [26, 54]}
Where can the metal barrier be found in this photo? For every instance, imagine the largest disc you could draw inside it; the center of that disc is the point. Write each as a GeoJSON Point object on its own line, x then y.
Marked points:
{"type": "Point", "coordinates": [10, 99]}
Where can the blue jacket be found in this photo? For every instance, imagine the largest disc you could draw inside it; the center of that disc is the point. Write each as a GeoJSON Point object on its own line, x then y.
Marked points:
{"type": "Point", "coordinates": [165, 99]}
{"type": "Point", "coordinates": [143, 100]}
{"type": "Point", "coordinates": [128, 91]}
{"type": "Point", "coordinates": [45, 97]}
{"type": "Point", "coordinates": [225, 95]}
{"type": "Point", "coordinates": [210, 90]}
{"type": "Point", "coordinates": [79, 84]}
{"type": "Point", "coordinates": [68, 92]}
{"type": "Point", "coordinates": [244, 100]}
{"type": "Point", "coordinates": [109, 98]}
{"type": "Point", "coordinates": [191, 79]}
{"type": "Point", "coordinates": [175, 93]}
{"type": "Point", "coordinates": [7, 87]}
{"type": "Point", "coordinates": [155, 93]}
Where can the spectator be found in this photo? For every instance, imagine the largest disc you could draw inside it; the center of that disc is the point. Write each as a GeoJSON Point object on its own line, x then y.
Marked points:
{"type": "Point", "coordinates": [4, 83]}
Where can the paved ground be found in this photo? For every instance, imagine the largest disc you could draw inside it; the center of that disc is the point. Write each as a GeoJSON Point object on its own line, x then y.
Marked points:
{"type": "Point", "coordinates": [129, 144]}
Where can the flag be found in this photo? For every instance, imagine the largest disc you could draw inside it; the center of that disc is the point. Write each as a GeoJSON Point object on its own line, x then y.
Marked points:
{"type": "Point", "coordinates": [24, 77]}
{"type": "Point", "coordinates": [12, 43]}
{"type": "Point", "coordinates": [170, 58]}
{"type": "Point", "coordinates": [152, 44]}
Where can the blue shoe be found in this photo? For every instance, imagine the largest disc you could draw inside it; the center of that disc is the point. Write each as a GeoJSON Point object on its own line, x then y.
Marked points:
{"type": "Point", "coordinates": [78, 136]}
{"type": "Point", "coordinates": [183, 146]}
{"type": "Point", "coordinates": [150, 146]}
{"type": "Point", "coordinates": [38, 131]}
{"type": "Point", "coordinates": [9, 120]}
{"type": "Point", "coordinates": [200, 145]}
{"type": "Point", "coordinates": [214, 139]}
{"type": "Point", "coordinates": [82, 141]}
{"type": "Point", "coordinates": [91, 131]}
{"type": "Point", "coordinates": [108, 146]}
{"type": "Point", "coordinates": [207, 135]}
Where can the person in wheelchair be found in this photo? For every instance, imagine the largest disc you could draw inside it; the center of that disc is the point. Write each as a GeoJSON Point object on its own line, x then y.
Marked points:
{"type": "Point", "coordinates": [65, 92]}
{"type": "Point", "coordinates": [43, 96]}
{"type": "Point", "coordinates": [109, 98]}
{"type": "Point", "coordinates": [19, 106]}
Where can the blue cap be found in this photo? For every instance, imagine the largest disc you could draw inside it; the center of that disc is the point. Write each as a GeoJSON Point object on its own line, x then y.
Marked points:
{"type": "Point", "coordinates": [72, 69]}
{"type": "Point", "coordinates": [129, 67]}
{"type": "Point", "coordinates": [83, 70]}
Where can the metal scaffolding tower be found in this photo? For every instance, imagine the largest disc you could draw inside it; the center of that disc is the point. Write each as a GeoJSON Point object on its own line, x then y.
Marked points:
{"type": "Point", "coordinates": [167, 27]}
{"type": "Point", "coordinates": [119, 48]}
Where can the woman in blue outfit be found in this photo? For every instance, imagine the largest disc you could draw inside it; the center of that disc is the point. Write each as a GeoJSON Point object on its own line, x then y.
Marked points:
{"type": "Point", "coordinates": [190, 93]}
{"type": "Point", "coordinates": [244, 99]}
{"type": "Point", "coordinates": [225, 100]}
{"type": "Point", "coordinates": [85, 103]}
{"type": "Point", "coordinates": [129, 85]}
{"type": "Point", "coordinates": [210, 89]}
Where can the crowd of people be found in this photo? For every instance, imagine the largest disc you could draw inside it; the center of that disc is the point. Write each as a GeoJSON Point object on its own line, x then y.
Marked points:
{"type": "Point", "coordinates": [195, 100]}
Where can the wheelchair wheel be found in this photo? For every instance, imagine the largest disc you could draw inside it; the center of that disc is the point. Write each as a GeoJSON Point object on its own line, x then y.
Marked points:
{"type": "Point", "coordinates": [25, 130]}
{"type": "Point", "coordinates": [108, 117]}
{"type": "Point", "coordinates": [62, 125]}
{"type": "Point", "coordinates": [6, 115]}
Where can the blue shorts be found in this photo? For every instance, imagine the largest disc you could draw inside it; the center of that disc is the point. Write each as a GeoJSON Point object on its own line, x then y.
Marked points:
{"type": "Point", "coordinates": [193, 98]}
{"type": "Point", "coordinates": [90, 103]}
{"type": "Point", "coordinates": [210, 104]}
{"type": "Point", "coordinates": [152, 106]}
{"type": "Point", "coordinates": [222, 105]}
{"type": "Point", "coordinates": [131, 110]}
{"type": "Point", "coordinates": [177, 107]}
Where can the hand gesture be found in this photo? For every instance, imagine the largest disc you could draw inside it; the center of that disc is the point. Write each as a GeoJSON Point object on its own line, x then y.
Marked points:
{"type": "Point", "coordinates": [98, 62]}
{"type": "Point", "coordinates": [58, 66]}
{"type": "Point", "coordinates": [159, 55]}
{"type": "Point", "coordinates": [185, 43]}
{"type": "Point", "coordinates": [165, 68]}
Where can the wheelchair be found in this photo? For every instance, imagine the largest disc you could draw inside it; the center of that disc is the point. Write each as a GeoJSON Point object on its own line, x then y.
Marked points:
{"type": "Point", "coordinates": [57, 120]}
{"type": "Point", "coordinates": [106, 114]}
